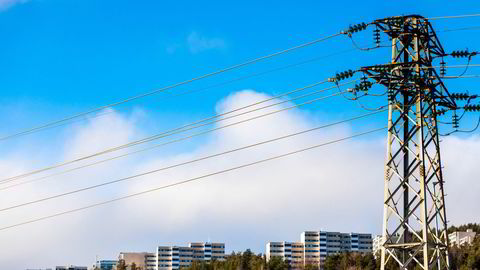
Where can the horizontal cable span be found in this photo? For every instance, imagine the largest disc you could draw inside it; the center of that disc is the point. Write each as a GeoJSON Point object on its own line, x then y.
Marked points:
{"type": "Point", "coordinates": [163, 89]}
{"type": "Point", "coordinates": [194, 125]}
{"type": "Point", "coordinates": [459, 77]}
{"type": "Point", "coordinates": [226, 82]}
{"type": "Point", "coordinates": [190, 179]}
{"type": "Point", "coordinates": [167, 143]}
{"type": "Point", "coordinates": [189, 162]}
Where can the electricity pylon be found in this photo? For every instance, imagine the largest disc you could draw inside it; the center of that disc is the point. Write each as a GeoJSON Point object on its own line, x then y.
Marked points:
{"type": "Point", "coordinates": [414, 212]}
{"type": "Point", "coordinates": [414, 216]}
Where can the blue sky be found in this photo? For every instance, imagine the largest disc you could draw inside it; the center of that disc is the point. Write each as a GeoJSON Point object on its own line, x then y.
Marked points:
{"type": "Point", "coordinates": [61, 57]}
{"type": "Point", "coordinates": [68, 56]}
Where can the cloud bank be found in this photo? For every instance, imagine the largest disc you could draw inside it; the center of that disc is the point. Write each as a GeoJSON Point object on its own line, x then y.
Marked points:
{"type": "Point", "coordinates": [337, 187]}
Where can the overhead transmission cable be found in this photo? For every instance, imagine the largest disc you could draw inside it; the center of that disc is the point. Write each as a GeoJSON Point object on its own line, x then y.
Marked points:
{"type": "Point", "coordinates": [191, 126]}
{"type": "Point", "coordinates": [462, 130]}
{"type": "Point", "coordinates": [226, 82]}
{"type": "Point", "coordinates": [163, 89]}
{"type": "Point", "coordinates": [189, 162]}
{"type": "Point", "coordinates": [453, 17]}
{"type": "Point", "coordinates": [461, 77]}
{"type": "Point", "coordinates": [165, 143]}
{"type": "Point", "coordinates": [191, 179]}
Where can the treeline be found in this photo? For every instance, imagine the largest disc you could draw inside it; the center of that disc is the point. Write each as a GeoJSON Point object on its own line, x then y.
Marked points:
{"type": "Point", "coordinates": [461, 258]}
{"type": "Point", "coordinates": [242, 261]}
{"type": "Point", "coordinates": [462, 228]}
{"type": "Point", "coordinates": [466, 257]}
{"type": "Point", "coordinates": [250, 261]}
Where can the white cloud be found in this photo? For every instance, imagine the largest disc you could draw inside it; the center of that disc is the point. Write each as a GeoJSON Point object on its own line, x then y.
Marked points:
{"type": "Point", "coordinates": [99, 133]}
{"type": "Point", "coordinates": [460, 158]}
{"type": "Point", "coordinates": [4, 4]}
{"type": "Point", "coordinates": [199, 43]}
{"type": "Point", "coordinates": [337, 187]}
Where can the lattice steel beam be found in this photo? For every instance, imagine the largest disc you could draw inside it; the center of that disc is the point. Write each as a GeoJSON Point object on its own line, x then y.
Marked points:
{"type": "Point", "coordinates": [414, 222]}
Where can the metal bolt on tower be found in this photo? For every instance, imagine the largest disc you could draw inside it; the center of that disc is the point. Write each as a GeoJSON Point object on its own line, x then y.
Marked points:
{"type": "Point", "coordinates": [414, 217]}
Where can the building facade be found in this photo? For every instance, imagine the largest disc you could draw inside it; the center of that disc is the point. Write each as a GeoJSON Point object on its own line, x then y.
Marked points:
{"type": "Point", "coordinates": [315, 246]}
{"type": "Point", "coordinates": [176, 257]}
{"type": "Point", "coordinates": [377, 245]}
{"type": "Point", "coordinates": [106, 264]}
{"type": "Point", "coordinates": [461, 238]}
{"type": "Point", "coordinates": [150, 261]}
{"type": "Point", "coordinates": [291, 252]}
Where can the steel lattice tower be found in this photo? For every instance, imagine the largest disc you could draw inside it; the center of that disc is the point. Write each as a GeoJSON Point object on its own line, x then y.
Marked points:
{"type": "Point", "coordinates": [414, 216]}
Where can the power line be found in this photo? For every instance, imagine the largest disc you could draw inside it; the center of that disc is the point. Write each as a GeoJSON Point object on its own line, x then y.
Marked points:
{"type": "Point", "coordinates": [453, 17]}
{"type": "Point", "coordinates": [194, 125]}
{"type": "Point", "coordinates": [227, 82]}
{"type": "Point", "coordinates": [453, 66]}
{"type": "Point", "coordinates": [460, 77]}
{"type": "Point", "coordinates": [168, 142]}
{"type": "Point", "coordinates": [190, 179]}
{"type": "Point", "coordinates": [237, 66]}
{"type": "Point", "coordinates": [188, 162]}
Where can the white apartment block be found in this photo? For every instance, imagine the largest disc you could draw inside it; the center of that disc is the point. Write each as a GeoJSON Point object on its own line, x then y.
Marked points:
{"type": "Point", "coordinates": [461, 238]}
{"type": "Point", "coordinates": [377, 245]}
{"type": "Point", "coordinates": [315, 246]}
{"type": "Point", "coordinates": [176, 257]}
{"type": "Point", "coordinates": [151, 261]}
{"type": "Point", "coordinates": [292, 252]}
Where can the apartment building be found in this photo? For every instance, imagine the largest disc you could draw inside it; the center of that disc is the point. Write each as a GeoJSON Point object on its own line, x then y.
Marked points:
{"type": "Point", "coordinates": [175, 257]}
{"type": "Point", "coordinates": [315, 246]}
{"type": "Point", "coordinates": [377, 245]}
{"type": "Point", "coordinates": [150, 261]}
{"type": "Point", "coordinates": [460, 238]}
{"type": "Point", "coordinates": [292, 252]}
{"type": "Point", "coordinates": [208, 251]}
